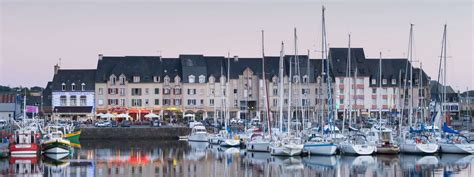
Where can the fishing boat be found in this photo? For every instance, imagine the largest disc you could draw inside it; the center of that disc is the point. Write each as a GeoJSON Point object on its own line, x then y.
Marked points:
{"type": "Point", "coordinates": [23, 143]}
{"type": "Point", "coordinates": [198, 133]}
{"type": "Point", "coordinates": [357, 145]}
{"type": "Point", "coordinates": [54, 143]}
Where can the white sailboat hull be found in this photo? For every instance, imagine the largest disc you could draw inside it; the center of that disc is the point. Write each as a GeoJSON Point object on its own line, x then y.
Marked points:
{"type": "Point", "coordinates": [357, 149]}
{"type": "Point", "coordinates": [287, 150]}
{"type": "Point", "coordinates": [261, 146]}
{"type": "Point", "coordinates": [230, 143]}
{"type": "Point", "coordinates": [429, 148]}
{"type": "Point", "coordinates": [457, 148]}
{"type": "Point", "coordinates": [321, 148]}
{"type": "Point", "coordinates": [198, 138]}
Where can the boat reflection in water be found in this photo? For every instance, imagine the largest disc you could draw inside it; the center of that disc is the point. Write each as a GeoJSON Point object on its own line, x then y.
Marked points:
{"type": "Point", "coordinates": [181, 158]}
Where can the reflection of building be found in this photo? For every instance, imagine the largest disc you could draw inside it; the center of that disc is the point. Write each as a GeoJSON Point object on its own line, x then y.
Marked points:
{"type": "Point", "coordinates": [73, 93]}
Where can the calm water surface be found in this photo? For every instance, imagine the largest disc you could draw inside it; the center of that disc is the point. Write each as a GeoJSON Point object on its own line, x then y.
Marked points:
{"type": "Point", "coordinates": [187, 159]}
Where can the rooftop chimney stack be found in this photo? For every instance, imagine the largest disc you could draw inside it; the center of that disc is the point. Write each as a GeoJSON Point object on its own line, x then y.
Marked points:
{"type": "Point", "coordinates": [100, 56]}
{"type": "Point", "coordinates": [56, 69]}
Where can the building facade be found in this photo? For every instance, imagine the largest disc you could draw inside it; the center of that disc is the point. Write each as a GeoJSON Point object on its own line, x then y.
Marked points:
{"type": "Point", "coordinates": [212, 86]}
{"type": "Point", "coordinates": [72, 93]}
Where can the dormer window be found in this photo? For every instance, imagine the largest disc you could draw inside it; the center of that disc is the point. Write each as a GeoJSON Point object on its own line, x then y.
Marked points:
{"type": "Point", "coordinates": [191, 79]}
{"type": "Point", "coordinates": [296, 79]}
{"type": "Point", "coordinates": [167, 80]}
{"type": "Point", "coordinates": [136, 79]}
{"type": "Point", "coordinates": [305, 79]}
{"type": "Point", "coordinates": [113, 79]}
{"type": "Point", "coordinates": [63, 87]}
{"type": "Point", "coordinates": [374, 81]}
{"type": "Point", "coordinates": [394, 81]}
{"type": "Point", "coordinates": [156, 79]}
{"type": "Point", "coordinates": [212, 79]}
{"type": "Point", "coordinates": [122, 79]}
{"type": "Point", "coordinates": [73, 87]}
{"type": "Point", "coordinates": [83, 87]}
{"type": "Point", "coordinates": [384, 81]}
{"type": "Point", "coordinates": [202, 79]}
{"type": "Point", "coordinates": [177, 79]}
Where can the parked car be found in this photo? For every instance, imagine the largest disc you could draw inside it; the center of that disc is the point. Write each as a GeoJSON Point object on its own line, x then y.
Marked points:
{"type": "Point", "coordinates": [156, 123]}
{"type": "Point", "coordinates": [114, 124]}
{"type": "Point", "coordinates": [103, 124]}
{"type": "Point", "coordinates": [3, 124]}
{"type": "Point", "coordinates": [125, 123]}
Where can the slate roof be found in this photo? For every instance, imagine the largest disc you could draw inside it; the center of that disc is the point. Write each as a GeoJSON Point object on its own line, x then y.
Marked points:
{"type": "Point", "coordinates": [144, 66]}
{"type": "Point", "coordinates": [195, 64]}
{"type": "Point", "coordinates": [171, 67]}
{"type": "Point", "coordinates": [76, 76]}
{"type": "Point", "coordinates": [392, 68]}
{"type": "Point", "coordinates": [47, 94]}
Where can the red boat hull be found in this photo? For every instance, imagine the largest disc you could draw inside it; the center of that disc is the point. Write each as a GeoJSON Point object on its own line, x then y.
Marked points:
{"type": "Point", "coordinates": [24, 150]}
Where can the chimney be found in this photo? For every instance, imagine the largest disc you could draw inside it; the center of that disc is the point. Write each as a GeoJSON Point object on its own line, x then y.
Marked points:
{"type": "Point", "coordinates": [100, 56]}
{"type": "Point", "coordinates": [56, 68]}
{"type": "Point", "coordinates": [236, 58]}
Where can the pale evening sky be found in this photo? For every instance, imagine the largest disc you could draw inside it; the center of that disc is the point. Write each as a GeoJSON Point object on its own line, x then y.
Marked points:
{"type": "Point", "coordinates": [34, 35]}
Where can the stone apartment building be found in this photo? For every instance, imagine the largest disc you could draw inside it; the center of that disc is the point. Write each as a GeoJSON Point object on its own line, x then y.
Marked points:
{"type": "Point", "coordinates": [361, 92]}
{"type": "Point", "coordinates": [207, 86]}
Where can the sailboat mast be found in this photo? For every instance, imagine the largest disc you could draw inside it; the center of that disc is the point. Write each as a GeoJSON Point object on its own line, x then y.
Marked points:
{"type": "Point", "coordinates": [379, 94]}
{"type": "Point", "coordinates": [281, 80]}
{"type": "Point", "coordinates": [350, 79]}
{"type": "Point", "coordinates": [410, 45]}
{"type": "Point", "coordinates": [290, 79]}
{"type": "Point", "coordinates": [422, 94]}
{"type": "Point", "coordinates": [444, 69]}
{"type": "Point", "coordinates": [323, 56]}
{"type": "Point", "coordinates": [265, 86]}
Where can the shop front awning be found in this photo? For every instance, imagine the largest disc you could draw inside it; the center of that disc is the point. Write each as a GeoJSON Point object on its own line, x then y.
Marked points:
{"type": "Point", "coordinates": [73, 109]}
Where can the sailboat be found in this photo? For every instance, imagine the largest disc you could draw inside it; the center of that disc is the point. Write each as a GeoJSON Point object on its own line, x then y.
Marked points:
{"type": "Point", "coordinates": [415, 141]}
{"type": "Point", "coordinates": [379, 135]}
{"type": "Point", "coordinates": [357, 143]}
{"type": "Point", "coordinates": [317, 143]}
{"type": "Point", "coordinates": [228, 140]}
{"type": "Point", "coordinates": [258, 141]}
{"type": "Point", "coordinates": [454, 143]}
{"type": "Point", "coordinates": [287, 145]}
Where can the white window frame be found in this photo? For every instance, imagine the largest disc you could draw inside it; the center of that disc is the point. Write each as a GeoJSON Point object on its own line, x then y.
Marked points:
{"type": "Point", "coordinates": [202, 79]}
{"type": "Point", "coordinates": [191, 79]}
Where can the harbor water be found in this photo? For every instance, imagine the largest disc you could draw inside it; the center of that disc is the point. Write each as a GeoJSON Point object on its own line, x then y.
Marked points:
{"type": "Point", "coordinates": [190, 159]}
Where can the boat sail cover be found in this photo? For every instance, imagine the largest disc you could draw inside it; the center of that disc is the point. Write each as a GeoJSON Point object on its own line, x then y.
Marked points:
{"type": "Point", "coordinates": [449, 130]}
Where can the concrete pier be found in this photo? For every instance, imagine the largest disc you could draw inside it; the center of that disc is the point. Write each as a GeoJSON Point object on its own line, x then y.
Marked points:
{"type": "Point", "coordinates": [130, 133]}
